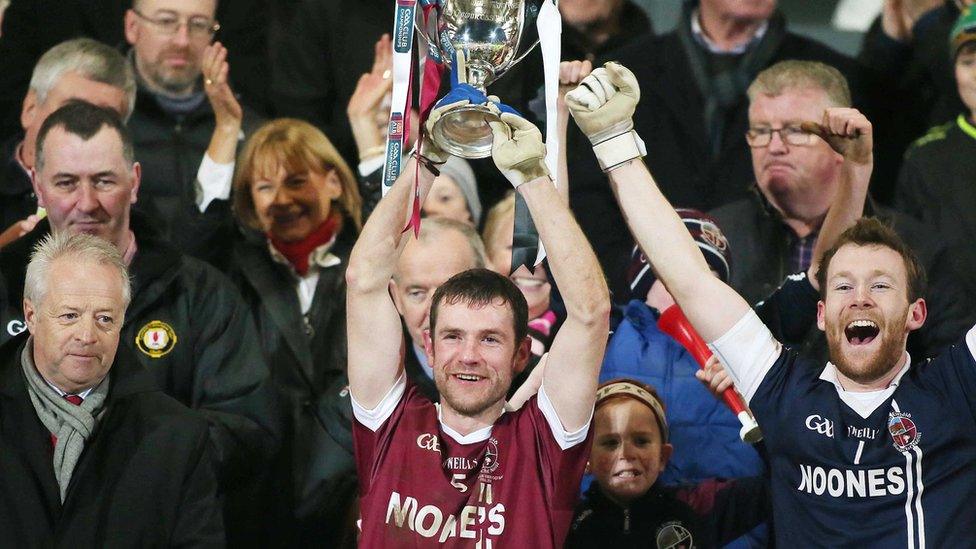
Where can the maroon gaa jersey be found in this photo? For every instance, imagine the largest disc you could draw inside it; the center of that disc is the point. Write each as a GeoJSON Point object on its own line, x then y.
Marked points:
{"type": "Point", "coordinates": [423, 484]}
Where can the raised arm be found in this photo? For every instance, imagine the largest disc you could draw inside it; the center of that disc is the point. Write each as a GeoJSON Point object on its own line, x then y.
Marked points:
{"type": "Point", "coordinates": [603, 107]}
{"type": "Point", "coordinates": [375, 337]}
{"type": "Point", "coordinates": [570, 379]}
{"type": "Point", "coordinates": [850, 134]}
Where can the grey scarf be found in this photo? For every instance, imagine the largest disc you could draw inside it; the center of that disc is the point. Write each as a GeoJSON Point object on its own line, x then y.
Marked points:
{"type": "Point", "coordinates": [72, 425]}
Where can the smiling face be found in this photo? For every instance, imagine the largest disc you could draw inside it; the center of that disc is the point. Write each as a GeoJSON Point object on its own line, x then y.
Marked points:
{"type": "Point", "coordinates": [866, 313]}
{"type": "Point", "coordinates": [76, 324]}
{"type": "Point", "coordinates": [87, 186]}
{"type": "Point", "coordinates": [798, 180]}
{"type": "Point", "coordinates": [473, 353]}
{"type": "Point", "coordinates": [628, 452]}
{"type": "Point", "coordinates": [170, 63]}
{"type": "Point", "coordinates": [289, 206]}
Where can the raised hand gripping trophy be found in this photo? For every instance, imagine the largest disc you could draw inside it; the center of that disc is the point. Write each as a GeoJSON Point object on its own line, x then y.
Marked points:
{"type": "Point", "coordinates": [479, 40]}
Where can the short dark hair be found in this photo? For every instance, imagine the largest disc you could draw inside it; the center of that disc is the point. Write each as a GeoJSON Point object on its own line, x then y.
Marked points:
{"type": "Point", "coordinates": [870, 231]}
{"type": "Point", "coordinates": [481, 287]}
{"type": "Point", "coordinates": [83, 119]}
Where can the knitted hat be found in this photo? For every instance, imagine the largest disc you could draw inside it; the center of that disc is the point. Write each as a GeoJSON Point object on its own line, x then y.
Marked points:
{"type": "Point", "coordinates": [461, 173]}
{"type": "Point", "coordinates": [704, 229]}
{"type": "Point", "coordinates": [963, 31]}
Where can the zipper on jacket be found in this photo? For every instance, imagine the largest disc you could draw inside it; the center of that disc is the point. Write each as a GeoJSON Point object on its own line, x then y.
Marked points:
{"type": "Point", "coordinates": [626, 521]}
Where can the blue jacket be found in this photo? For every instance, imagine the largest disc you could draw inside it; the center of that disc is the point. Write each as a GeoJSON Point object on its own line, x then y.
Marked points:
{"type": "Point", "coordinates": [704, 432]}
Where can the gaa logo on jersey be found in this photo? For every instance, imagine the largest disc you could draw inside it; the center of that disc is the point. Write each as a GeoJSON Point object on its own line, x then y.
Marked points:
{"type": "Point", "coordinates": [491, 456]}
{"type": "Point", "coordinates": [156, 339]}
{"type": "Point", "coordinates": [904, 433]}
{"type": "Point", "coordinates": [673, 535]}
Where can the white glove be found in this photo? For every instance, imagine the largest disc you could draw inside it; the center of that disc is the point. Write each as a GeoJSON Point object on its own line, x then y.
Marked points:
{"type": "Point", "coordinates": [603, 107]}
{"type": "Point", "coordinates": [518, 150]}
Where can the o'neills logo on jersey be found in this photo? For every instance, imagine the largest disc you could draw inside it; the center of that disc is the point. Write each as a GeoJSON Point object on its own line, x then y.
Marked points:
{"type": "Point", "coordinates": [473, 522]}
{"type": "Point", "coordinates": [861, 483]}
{"type": "Point", "coordinates": [904, 433]}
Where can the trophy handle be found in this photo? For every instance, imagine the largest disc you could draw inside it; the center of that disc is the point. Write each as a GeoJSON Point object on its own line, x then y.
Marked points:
{"type": "Point", "coordinates": [521, 57]}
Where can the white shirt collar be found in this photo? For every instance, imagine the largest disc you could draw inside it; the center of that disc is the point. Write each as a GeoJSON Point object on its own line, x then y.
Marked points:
{"type": "Point", "coordinates": [864, 403]}
{"type": "Point", "coordinates": [320, 258]}
{"type": "Point", "coordinates": [703, 39]}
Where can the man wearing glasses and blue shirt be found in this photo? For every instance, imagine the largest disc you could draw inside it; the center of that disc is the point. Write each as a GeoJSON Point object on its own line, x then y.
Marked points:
{"type": "Point", "coordinates": [184, 110]}
{"type": "Point", "coordinates": [798, 175]}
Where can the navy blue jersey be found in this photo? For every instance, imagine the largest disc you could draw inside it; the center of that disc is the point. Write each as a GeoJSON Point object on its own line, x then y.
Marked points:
{"type": "Point", "coordinates": [891, 468]}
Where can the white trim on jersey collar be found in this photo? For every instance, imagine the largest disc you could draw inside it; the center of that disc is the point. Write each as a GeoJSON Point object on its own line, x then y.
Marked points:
{"type": "Point", "coordinates": [474, 437]}
{"type": "Point", "coordinates": [861, 402]}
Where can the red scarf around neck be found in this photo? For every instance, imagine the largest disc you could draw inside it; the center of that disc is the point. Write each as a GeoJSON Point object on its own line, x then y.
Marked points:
{"type": "Point", "coordinates": [298, 253]}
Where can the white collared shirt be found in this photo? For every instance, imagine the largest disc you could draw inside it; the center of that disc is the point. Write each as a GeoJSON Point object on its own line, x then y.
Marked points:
{"type": "Point", "coordinates": [703, 39]}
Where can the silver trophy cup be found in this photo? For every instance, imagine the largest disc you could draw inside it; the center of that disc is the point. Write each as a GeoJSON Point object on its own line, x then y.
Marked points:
{"type": "Point", "coordinates": [486, 38]}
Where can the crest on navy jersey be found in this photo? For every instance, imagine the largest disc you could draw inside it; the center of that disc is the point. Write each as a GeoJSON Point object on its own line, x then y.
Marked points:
{"type": "Point", "coordinates": [673, 535]}
{"type": "Point", "coordinates": [904, 432]}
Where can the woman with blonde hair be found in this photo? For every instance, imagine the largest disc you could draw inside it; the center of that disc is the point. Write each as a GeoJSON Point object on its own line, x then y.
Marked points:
{"type": "Point", "coordinates": [299, 209]}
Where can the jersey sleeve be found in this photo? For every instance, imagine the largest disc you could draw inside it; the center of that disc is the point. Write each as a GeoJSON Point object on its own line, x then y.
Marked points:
{"type": "Point", "coordinates": [564, 438]}
{"type": "Point", "coordinates": [372, 431]}
{"type": "Point", "coordinates": [790, 312]}
{"type": "Point", "coordinates": [561, 456]}
{"type": "Point", "coordinates": [748, 350]}
{"type": "Point", "coordinates": [373, 419]}
{"type": "Point", "coordinates": [955, 370]}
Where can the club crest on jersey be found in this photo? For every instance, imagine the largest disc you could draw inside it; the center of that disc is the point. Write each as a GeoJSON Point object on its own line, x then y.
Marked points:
{"type": "Point", "coordinates": [156, 339]}
{"type": "Point", "coordinates": [673, 535]}
{"type": "Point", "coordinates": [491, 457]}
{"type": "Point", "coordinates": [904, 432]}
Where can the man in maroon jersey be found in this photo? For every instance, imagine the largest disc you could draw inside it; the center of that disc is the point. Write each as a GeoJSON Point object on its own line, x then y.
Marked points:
{"type": "Point", "coordinates": [465, 472]}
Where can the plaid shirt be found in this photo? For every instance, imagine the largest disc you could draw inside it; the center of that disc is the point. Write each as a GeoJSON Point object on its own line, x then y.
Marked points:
{"type": "Point", "coordinates": [801, 251]}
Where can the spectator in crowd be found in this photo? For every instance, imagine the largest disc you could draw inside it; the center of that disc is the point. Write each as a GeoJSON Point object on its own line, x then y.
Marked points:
{"type": "Point", "coordinates": [906, 46]}
{"type": "Point", "coordinates": [77, 69]}
{"type": "Point", "coordinates": [31, 27]}
{"type": "Point", "coordinates": [299, 205]}
{"type": "Point", "coordinates": [187, 323]}
{"type": "Point", "coordinates": [455, 194]}
{"type": "Point", "coordinates": [92, 453]}
{"type": "Point", "coordinates": [798, 175]}
{"type": "Point", "coordinates": [629, 506]}
{"type": "Point", "coordinates": [704, 431]}
{"type": "Point", "coordinates": [694, 115]}
{"type": "Point", "coordinates": [935, 185]}
{"type": "Point", "coordinates": [444, 248]}
{"type": "Point", "coordinates": [184, 104]}
{"type": "Point", "coordinates": [871, 287]}
{"type": "Point", "coordinates": [534, 285]}
{"type": "Point", "coordinates": [531, 460]}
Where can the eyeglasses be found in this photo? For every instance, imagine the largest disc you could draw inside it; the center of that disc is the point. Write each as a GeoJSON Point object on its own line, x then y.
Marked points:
{"type": "Point", "coordinates": [792, 135]}
{"type": "Point", "coordinates": [196, 27]}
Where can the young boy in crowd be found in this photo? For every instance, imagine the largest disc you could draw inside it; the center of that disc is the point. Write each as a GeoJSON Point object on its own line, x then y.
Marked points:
{"type": "Point", "coordinates": [628, 507]}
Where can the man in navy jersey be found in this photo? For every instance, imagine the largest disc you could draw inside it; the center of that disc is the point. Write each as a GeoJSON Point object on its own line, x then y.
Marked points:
{"type": "Point", "coordinates": [466, 473]}
{"type": "Point", "coordinates": [868, 450]}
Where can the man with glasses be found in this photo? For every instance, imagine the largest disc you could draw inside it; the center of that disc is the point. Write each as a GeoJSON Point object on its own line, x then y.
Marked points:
{"type": "Point", "coordinates": [174, 122]}
{"type": "Point", "coordinates": [798, 175]}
